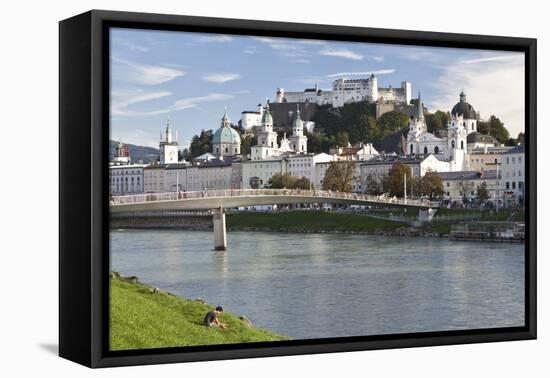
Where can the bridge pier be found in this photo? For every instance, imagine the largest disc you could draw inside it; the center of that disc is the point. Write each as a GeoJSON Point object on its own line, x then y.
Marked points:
{"type": "Point", "coordinates": [426, 215]}
{"type": "Point", "coordinates": [220, 234]}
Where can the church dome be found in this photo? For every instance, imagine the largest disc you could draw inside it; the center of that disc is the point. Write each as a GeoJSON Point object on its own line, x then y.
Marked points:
{"type": "Point", "coordinates": [463, 108]}
{"type": "Point", "coordinates": [226, 134]}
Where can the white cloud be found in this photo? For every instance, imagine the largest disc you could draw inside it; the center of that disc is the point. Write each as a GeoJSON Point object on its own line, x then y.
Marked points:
{"type": "Point", "coordinates": [341, 53]}
{"type": "Point", "coordinates": [498, 58]}
{"type": "Point", "coordinates": [124, 101]}
{"type": "Point", "coordinates": [130, 45]}
{"type": "Point", "coordinates": [145, 74]}
{"type": "Point", "coordinates": [363, 73]}
{"type": "Point", "coordinates": [249, 51]}
{"type": "Point", "coordinates": [378, 58]}
{"type": "Point", "coordinates": [191, 102]}
{"type": "Point", "coordinates": [493, 85]}
{"type": "Point", "coordinates": [304, 61]}
{"type": "Point", "coordinates": [221, 77]}
{"type": "Point", "coordinates": [216, 38]}
{"type": "Point", "coordinates": [286, 47]}
{"type": "Point", "coordinates": [121, 99]}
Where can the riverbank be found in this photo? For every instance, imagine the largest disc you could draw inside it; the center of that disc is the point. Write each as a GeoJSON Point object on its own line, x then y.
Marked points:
{"type": "Point", "coordinates": [346, 223]}
{"type": "Point", "coordinates": [144, 317]}
{"type": "Point", "coordinates": [322, 222]}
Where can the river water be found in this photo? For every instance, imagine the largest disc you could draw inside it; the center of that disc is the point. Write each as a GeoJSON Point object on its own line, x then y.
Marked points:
{"type": "Point", "coordinates": [327, 285]}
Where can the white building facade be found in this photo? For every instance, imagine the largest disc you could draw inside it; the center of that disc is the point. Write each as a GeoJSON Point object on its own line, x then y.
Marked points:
{"type": "Point", "coordinates": [126, 179]}
{"type": "Point", "coordinates": [512, 176]}
{"type": "Point", "coordinates": [463, 186]}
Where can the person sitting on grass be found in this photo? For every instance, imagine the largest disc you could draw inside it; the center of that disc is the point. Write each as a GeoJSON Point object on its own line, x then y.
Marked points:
{"type": "Point", "coordinates": [211, 318]}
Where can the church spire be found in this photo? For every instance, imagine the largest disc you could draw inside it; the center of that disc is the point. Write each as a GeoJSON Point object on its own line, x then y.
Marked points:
{"type": "Point", "coordinates": [168, 132]}
{"type": "Point", "coordinates": [419, 108]}
{"type": "Point", "coordinates": [226, 122]}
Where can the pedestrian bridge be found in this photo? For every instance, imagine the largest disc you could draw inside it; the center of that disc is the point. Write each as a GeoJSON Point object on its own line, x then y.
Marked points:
{"type": "Point", "coordinates": [218, 200]}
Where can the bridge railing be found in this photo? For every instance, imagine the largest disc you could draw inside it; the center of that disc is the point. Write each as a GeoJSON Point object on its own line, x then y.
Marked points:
{"type": "Point", "coordinates": [224, 193]}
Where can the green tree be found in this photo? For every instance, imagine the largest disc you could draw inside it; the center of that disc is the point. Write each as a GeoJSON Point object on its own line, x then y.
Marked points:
{"type": "Point", "coordinates": [317, 143]}
{"type": "Point", "coordinates": [201, 143]}
{"type": "Point", "coordinates": [302, 183]}
{"type": "Point", "coordinates": [482, 192]}
{"type": "Point", "coordinates": [360, 132]}
{"type": "Point", "coordinates": [247, 142]}
{"type": "Point", "coordinates": [373, 185]}
{"type": "Point", "coordinates": [431, 185]}
{"type": "Point", "coordinates": [280, 181]}
{"type": "Point", "coordinates": [339, 176]}
{"type": "Point", "coordinates": [436, 121]}
{"type": "Point", "coordinates": [394, 182]}
{"type": "Point", "coordinates": [495, 128]}
{"type": "Point", "coordinates": [341, 139]}
{"type": "Point", "coordinates": [392, 122]}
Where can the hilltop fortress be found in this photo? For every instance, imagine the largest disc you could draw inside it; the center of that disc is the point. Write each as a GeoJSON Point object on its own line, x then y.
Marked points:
{"type": "Point", "coordinates": [346, 91]}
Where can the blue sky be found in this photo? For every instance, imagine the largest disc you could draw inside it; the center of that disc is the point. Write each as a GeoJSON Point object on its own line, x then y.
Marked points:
{"type": "Point", "coordinates": [191, 77]}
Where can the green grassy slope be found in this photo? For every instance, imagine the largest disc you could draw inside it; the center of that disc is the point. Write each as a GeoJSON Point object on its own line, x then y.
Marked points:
{"type": "Point", "coordinates": [143, 319]}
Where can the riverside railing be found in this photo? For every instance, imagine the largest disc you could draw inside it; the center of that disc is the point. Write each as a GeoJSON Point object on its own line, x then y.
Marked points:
{"type": "Point", "coordinates": [225, 193]}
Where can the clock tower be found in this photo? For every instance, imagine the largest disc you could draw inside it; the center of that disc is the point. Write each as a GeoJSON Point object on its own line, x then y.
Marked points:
{"type": "Point", "coordinates": [168, 147]}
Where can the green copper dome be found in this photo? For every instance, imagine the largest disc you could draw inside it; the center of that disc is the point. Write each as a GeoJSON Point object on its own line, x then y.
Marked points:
{"type": "Point", "coordinates": [226, 134]}
{"type": "Point", "coordinates": [267, 118]}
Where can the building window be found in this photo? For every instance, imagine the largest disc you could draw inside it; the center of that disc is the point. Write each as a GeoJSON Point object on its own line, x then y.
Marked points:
{"type": "Point", "coordinates": [461, 144]}
{"type": "Point", "coordinates": [507, 185]}
{"type": "Point", "coordinates": [436, 149]}
{"type": "Point", "coordinates": [513, 184]}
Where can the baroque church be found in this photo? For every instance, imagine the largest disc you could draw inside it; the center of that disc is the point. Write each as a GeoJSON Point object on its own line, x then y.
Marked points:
{"type": "Point", "coordinates": [452, 148]}
{"type": "Point", "coordinates": [267, 138]}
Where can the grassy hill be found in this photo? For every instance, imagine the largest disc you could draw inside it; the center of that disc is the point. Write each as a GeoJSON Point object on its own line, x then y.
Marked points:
{"type": "Point", "coordinates": [144, 318]}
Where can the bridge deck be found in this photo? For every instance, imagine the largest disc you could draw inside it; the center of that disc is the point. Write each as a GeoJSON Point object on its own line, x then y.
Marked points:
{"type": "Point", "coordinates": [230, 198]}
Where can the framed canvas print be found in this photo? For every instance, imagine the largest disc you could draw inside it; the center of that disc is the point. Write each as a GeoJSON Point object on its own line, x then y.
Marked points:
{"type": "Point", "coordinates": [235, 188]}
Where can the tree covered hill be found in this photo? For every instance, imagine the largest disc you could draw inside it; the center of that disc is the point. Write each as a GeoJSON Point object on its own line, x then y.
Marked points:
{"type": "Point", "coordinates": [137, 153]}
{"type": "Point", "coordinates": [357, 123]}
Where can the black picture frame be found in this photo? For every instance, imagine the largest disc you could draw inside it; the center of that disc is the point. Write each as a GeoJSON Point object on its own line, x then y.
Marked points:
{"type": "Point", "coordinates": [83, 205]}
